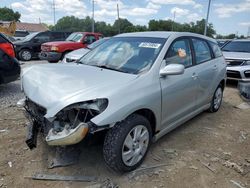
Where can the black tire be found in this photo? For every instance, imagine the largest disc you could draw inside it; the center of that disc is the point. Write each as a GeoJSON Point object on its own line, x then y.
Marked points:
{"type": "Point", "coordinates": [213, 108]}
{"type": "Point", "coordinates": [114, 140]}
{"type": "Point", "coordinates": [25, 55]}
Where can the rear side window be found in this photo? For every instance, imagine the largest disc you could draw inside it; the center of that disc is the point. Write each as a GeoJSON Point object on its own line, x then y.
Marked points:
{"type": "Point", "coordinates": [216, 49]}
{"type": "Point", "coordinates": [202, 51]}
{"type": "Point", "coordinates": [180, 53]}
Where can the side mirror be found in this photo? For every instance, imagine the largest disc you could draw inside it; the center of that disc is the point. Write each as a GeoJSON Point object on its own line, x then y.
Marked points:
{"type": "Point", "coordinates": [172, 69]}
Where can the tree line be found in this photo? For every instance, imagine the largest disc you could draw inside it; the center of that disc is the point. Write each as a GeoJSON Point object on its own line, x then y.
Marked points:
{"type": "Point", "coordinates": [71, 24]}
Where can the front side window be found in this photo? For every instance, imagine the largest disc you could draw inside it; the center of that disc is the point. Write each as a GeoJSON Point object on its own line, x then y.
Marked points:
{"type": "Point", "coordinates": [132, 55]}
{"type": "Point", "coordinates": [216, 49]}
{"type": "Point", "coordinates": [180, 53]}
{"type": "Point", "coordinates": [237, 46]}
{"type": "Point", "coordinates": [202, 51]}
{"type": "Point", "coordinates": [43, 37]}
{"type": "Point", "coordinates": [75, 37]}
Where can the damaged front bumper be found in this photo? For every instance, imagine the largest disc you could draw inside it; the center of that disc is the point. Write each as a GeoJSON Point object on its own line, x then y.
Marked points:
{"type": "Point", "coordinates": [68, 128]}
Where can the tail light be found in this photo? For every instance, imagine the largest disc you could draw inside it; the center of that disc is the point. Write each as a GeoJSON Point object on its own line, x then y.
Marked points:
{"type": "Point", "coordinates": [8, 49]}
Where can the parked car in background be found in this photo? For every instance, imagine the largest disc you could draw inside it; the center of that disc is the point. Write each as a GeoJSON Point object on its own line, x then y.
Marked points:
{"type": "Point", "coordinates": [9, 66]}
{"type": "Point", "coordinates": [20, 34]}
{"type": "Point", "coordinates": [135, 88]}
{"type": "Point", "coordinates": [30, 46]}
{"type": "Point", "coordinates": [55, 51]}
{"type": "Point", "coordinates": [11, 39]}
{"type": "Point", "coordinates": [237, 55]}
{"type": "Point", "coordinates": [222, 42]}
{"type": "Point", "coordinates": [73, 56]}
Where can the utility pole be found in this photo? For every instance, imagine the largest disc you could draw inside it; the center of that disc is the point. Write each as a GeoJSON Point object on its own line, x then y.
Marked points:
{"type": "Point", "coordinates": [206, 22]}
{"type": "Point", "coordinates": [173, 22]}
{"type": "Point", "coordinates": [118, 16]}
{"type": "Point", "coordinates": [54, 11]}
{"type": "Point", "coordinates": [93, 15]}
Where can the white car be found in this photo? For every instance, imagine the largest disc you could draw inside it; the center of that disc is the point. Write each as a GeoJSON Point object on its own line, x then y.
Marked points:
{"type": "Point", "coordinates": [73, 56]}
{"type": "Point", "coordinates": [237, 55]}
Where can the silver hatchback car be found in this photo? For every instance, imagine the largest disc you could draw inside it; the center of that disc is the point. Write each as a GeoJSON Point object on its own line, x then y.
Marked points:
{"type": "Point", "coordinates": [135, 88]}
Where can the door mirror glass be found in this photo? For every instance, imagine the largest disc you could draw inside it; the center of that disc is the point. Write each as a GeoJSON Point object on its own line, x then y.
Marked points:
{"type": "Point", "coordinates": [172, 69]}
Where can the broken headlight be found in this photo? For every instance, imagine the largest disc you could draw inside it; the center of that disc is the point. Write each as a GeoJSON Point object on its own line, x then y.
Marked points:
{"type": "Point", "coordinates": [77, 113]}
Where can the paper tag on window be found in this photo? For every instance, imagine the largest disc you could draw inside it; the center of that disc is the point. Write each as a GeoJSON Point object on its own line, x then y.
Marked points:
{"type": "Point", "coordinates": [149, 45]}
{"type": "Point", "coordinates": [182, 53]}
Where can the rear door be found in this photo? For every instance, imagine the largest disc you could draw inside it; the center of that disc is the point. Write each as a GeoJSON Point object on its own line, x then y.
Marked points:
{"type": "Point", "coordinates": [206, 69]}
{"type": "Point", "coordinates": [178, 91]}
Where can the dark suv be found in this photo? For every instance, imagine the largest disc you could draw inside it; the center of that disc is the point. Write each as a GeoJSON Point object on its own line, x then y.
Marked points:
{"type": "Point", "coordinates": [9, 66]}
{"type": "Point", "coordinates": [30, 46]}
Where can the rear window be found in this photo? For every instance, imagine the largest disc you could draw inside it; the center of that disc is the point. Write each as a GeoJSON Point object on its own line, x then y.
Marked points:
{"type": "Point", "coordinates": [216, 49]}
{"type": "Point", "coordinates": [21, 33]}
{"type": "Point", "coordinates": [237, 46]}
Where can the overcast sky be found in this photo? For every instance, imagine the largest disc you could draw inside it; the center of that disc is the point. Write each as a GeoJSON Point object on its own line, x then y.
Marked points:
{"type": "Point", "coordinates": [228, 16]}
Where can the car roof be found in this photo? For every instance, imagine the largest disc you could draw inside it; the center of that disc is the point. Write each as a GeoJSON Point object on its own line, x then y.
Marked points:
{"type": "Point", "coordinates": [164, 34]}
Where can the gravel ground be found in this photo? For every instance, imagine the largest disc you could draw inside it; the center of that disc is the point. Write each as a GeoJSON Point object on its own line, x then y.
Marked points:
{"type": "Point", "coordinates": [11, 93]}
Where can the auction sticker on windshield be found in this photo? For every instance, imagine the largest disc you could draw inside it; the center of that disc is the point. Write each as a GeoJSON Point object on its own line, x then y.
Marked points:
{"type": "Point", "coordinates": [149, 45]}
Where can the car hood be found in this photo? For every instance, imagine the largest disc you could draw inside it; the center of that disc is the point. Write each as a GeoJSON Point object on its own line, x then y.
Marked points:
{"type": "Point", "coordinates": [236, 55]}
{"type": "Point", "coordinates": [77, 54]}
{"type": "Point", "coordinates": [59, 43]}
{"type": "Point", "coordinates": [57, 86]}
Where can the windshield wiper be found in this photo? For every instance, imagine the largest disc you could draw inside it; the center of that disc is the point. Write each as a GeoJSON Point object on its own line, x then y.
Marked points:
{"type": "Point", "coordinates": [110, 68]}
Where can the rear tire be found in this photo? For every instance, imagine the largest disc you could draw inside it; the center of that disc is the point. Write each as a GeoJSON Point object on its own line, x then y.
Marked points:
{"type": "Point", "coordinates": [127, 143]}
{"type": "Point", "coordinates": [25, 55]}
{"type": "Point", "coordinates": [217, 99]}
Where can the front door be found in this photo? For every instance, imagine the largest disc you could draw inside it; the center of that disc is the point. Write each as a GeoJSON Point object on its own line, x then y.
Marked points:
{"type": "Point", "coordinates": [178, 91]}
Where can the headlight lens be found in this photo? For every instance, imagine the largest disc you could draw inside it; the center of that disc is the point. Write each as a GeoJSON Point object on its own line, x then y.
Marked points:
{"type": "Point", "coordinates": [54, 48]}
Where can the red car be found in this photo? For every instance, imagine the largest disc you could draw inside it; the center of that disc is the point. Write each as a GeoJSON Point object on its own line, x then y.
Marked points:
{"type": "Point", "coordinates": [55, 51]}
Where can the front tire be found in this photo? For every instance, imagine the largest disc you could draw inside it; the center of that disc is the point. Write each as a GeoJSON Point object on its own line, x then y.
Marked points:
{"type": "Point", "coordinates": [25, 55]}
{"type": "Point", "coordinates": [127, 143]}
{"type": "Point", "coordinates": [217, 99]}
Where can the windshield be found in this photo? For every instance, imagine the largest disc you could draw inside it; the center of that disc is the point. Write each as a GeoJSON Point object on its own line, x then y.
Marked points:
{"type": "Point", "coordinates": [97, 43]}
{"type": "Point", "coordinates": [30, 36]}
{"type": "Point", "coordinates": [237, 46]}
{"type": "Point", "coordinates": [75, 37]}
{"type": "Point", "coordinates": [126, 54]}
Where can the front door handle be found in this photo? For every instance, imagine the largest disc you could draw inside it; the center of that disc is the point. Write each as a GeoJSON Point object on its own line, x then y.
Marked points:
{"type": "Point", "coordinates": [194, 76]}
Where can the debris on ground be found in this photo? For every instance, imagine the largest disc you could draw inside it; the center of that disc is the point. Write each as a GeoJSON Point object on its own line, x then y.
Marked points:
{"type": "Point", "coordinates": [63, 156]}
{"type": "Point", "coordinates": [237, 184]}
{"type": "Point", "coordinates": [243, 106]}
{"type": "Point", "coordinates": [208, 166]}
{"type": "Point", "coordinates": [193, 167]}
{"type": "Point", "coordinates": [56, 177]}
{"type": "Point", "coordinates": [234, 166]}
{"type": "Point", "coordinates": [10, 164]}
{"type": "Point", "coordinates": [3, 130]}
